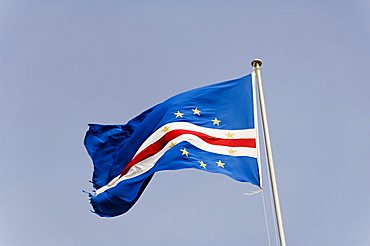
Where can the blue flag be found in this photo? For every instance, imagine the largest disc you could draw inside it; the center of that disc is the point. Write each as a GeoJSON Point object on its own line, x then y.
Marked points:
{"type": "Point", "coordinates": [211, 129]}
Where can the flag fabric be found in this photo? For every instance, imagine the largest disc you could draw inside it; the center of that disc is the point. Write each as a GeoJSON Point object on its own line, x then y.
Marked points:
{"type": "Point", "coordinates": [211, 129]}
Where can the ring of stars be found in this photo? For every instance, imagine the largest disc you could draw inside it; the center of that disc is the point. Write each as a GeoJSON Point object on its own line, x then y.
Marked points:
{"type": "Point", "coordinates": [220, 164]}
{"type": "Point", "coordinates": [202, 164]}
{"type": "Point", "coordinates": [216, 122]}
{"type": "Point", "coordinates": [172, 144]}
{"type": "Point", "coordinates": [196, 111]}
{"type": "Point", "coordinates": [184, 152]}
{"type": "Point", "coordinates": [232, 152]}
{"type": "Point", "coordinates": [179, 114]}
{"type": "Point", "coordinates": [229, 135]}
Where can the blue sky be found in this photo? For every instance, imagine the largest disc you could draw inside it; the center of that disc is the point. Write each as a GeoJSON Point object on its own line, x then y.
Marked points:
{"type": "Point", "coordinates": [64, 64]}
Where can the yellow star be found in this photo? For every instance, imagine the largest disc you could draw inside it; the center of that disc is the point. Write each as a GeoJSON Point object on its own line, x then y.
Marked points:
{"type": "Point", "coordinates": [172, 144]}
{"type": "Point", "coordinates": [184, 152]}
{"type": "Point", "coordinates": [232, 152]}
{"type": "Point", "coordinates": [179, 114]}
{"type": "Point", "coordinates": [216, 122]}
{"type": "Point", "coordinates": [230, 135]}
{"type": "Point", "coordinates": [202, 164]}
{"type": "Point", "coordinates": [220, 164]}
{"type": "Point", "coordinates": [196, 111]}
{"type": "Point", "coordinates": [166, 129]}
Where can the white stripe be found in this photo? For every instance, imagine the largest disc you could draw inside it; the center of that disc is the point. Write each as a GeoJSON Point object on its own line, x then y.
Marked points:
{"type": "Point", "coordinates": [148, 163]}
{"type": "Point", "coordinates": [217, 133]}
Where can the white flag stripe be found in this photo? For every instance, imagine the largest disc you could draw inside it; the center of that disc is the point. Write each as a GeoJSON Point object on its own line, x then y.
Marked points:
{"type": "Point", "coordinates": [217, 133]}
{"type": "Point", "coordinates": [148, 163]}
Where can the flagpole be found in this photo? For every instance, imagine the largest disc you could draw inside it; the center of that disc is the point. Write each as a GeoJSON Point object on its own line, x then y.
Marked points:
{"type": "Point", "coordinates": [256, 64]}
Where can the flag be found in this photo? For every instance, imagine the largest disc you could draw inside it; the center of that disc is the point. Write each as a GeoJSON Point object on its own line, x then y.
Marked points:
{"type": "Point", "coordinates": [212, 129]}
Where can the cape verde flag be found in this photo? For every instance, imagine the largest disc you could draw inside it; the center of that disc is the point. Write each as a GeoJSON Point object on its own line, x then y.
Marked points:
{"type": "Point", "coordinates": [211, 129]}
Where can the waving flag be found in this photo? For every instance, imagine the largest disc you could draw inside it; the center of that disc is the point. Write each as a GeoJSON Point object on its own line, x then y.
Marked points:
{"type": "Point", "coordinates": [212, 129]}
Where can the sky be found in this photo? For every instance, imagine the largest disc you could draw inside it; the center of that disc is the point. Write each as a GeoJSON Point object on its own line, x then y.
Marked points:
{"type": "Point", "coordinates": [64, 64]}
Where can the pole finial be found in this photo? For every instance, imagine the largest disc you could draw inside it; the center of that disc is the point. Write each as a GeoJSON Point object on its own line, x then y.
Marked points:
{"type": "Point", "coordinates": [256, 61]}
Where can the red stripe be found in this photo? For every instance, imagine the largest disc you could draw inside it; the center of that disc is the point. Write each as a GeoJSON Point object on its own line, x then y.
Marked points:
{"type": "Point", "coordinates": [169, 136]}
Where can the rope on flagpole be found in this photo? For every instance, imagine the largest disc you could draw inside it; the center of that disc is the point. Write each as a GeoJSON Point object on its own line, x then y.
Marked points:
{"type": "Point", "coordinates": [276, 232]}
{"type": "Point", "coordinates": [266, 222]}
{"type": "Point", "coordinates": [250, 193]}
{"type": "Point", "coordinates": [271, 200]}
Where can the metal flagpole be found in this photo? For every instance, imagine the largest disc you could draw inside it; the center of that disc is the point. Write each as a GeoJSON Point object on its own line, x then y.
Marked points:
{"type": "Point", "coordinates": [256, 64]}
